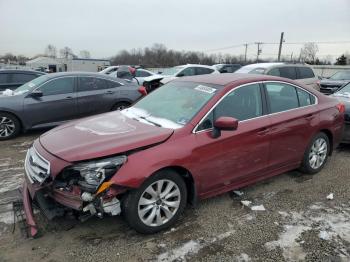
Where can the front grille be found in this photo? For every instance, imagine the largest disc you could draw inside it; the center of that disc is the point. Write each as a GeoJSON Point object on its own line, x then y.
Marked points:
{"type": "Point", "coordinates": [37, 168]}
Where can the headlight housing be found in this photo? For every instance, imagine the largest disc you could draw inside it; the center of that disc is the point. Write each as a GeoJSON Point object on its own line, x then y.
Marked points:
{"type": "Point", "coordinates": [93, 173]}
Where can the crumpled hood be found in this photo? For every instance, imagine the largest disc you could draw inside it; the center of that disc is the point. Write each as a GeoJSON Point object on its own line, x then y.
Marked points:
{"type": "Point", "coordinates": [100, 136]}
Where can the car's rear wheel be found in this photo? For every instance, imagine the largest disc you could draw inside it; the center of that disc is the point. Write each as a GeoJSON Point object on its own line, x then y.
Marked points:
{"type": "Point", "coordinates": [316, 155]}
{"type": "Point", "coordinates": [120, 106]}
{"type": "Point", "coordinates": [9, 126]}
{"type": "Point", "coordinates": [157, 204]}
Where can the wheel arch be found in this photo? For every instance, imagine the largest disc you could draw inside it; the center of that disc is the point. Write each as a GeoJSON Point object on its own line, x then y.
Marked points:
{"type": "Point", "coordinates": [16, 116]}
{"type": "Point", "coordinates": [189, 181]}
{"type": "Point", "coordinates": [329, 134]}
{"type": "Point", "coordinates": [122, 100]}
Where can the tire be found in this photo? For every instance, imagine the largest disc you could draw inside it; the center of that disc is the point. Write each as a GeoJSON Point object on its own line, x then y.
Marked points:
{"type": "Point", "coordinates": [316, 154]}
{"type": "Point", "coordinates": [120, 106]}
{"type": "Point", "coordinates": [10, 126]}
{"type": "Point", "coordinates": [154, 216]}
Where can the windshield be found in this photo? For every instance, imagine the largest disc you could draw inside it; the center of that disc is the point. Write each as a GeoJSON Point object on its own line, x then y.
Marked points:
{"type": "Point", "coordinates": [173, 70]}
{"type": "Point", "coordinates": [31, 85]}
{"type": "Point", "coordinates": [341, 75]}
{"type": "Point", "coordinates": [173, 105]}
{"type": "Point", "coordinates": [345, 91]}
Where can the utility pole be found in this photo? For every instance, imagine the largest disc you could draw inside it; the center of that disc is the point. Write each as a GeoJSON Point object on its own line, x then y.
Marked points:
{"type": "Point", "coordinates": [245, 53]}
{"type": "Point", "coordinates": [259, 51]}
{"type": "Point", "coordinates": [280, 48]}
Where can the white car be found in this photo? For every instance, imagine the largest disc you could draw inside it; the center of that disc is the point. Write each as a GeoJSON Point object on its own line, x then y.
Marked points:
{"type": "Point", "coordinates": [140, 75]}
{"type": "Point", "coordinates": [153, 82]}
{"type": "Point", "coordinates": [299, 72]}
{"type": "Point", "coordinates": [109, 70]}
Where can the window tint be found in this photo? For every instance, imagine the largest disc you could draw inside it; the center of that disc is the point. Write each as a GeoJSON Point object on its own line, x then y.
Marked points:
{"type": "Point", "coordinates": [22, 78]}
{"type": "Point", "coordinates": [92, 83]}
{"type": "Point", "coordinates": [305, 99]}
{"type": "Point", "coordinates": [288, 72]}
{"type": "Point", "coordinates": [203, 71]}
{"type": "Point", "coordinates": [305, 72]}
{"type": "Point", "coordinates": [274, 72]}
{"type": "Point", "coordinates": [189, 71]}
{"type": "Point", "coordinates": [63, 85]}
{"type": "Point", "coordinates": [142, 73]}
{"type": "Point", "coordinates": [282, 97]}
{"type": "Point", "coordinates": [3, 78]}
{"type": "Point", "coordinates": [242, 104]}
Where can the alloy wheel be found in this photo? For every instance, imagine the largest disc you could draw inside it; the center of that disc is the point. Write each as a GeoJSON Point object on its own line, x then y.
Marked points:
{"type": "Point", "coordinates": [318, 153]}
{"type": "Point", "coordinates": [159, 203]}
{"type": "Point", "coordinates": [7, 127]}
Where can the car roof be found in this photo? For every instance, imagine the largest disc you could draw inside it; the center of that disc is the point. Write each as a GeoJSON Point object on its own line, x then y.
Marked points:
{"type": "Point", "coordinates": [230, 78]}
{"type": "Point", "coordinates": [77, 73]}
{"type": "Point", "coordinates": [21, 71]}
{"type": "Point", "coordinates": [270, 65]}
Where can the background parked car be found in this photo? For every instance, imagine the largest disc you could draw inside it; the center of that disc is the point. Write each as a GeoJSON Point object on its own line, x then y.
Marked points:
{"type": "Point", "coordinates": [333, 83]}
{"type": "Point", "coordinates": [343, 95]}
{"type": "Point", "coordinates": [227, 68]}
{"type": "Point", "coordinates": [140, 74]}
{"type": "Point", "coordinates": [54, 98]}
{"type": "Point", "coordinates": [109, 70]}
{"type": "Point", "coordinates": [298, 72]}
{"type": "Point", "coordinates": [13, 78]}
{"type": "Point", "coordinates": [169, 74]}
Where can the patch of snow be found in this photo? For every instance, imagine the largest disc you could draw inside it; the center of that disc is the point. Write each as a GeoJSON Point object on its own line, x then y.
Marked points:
{"type": "Point", "coordinates": [324, 235]}
{"type": "Point", "coordinates": [258, 208]}
{"type": "Point", "coordinates": [246, 203]}
{"type": "Point", "coordinates": [330, 196]}
{"type": "Point", "coordinates": [190, 247]}
{"type": "Point", "coordinates": [243, 257]}
{"type": "Point", "coordinates": [238, 193]}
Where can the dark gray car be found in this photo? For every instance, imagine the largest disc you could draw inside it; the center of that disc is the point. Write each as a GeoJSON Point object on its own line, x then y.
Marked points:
{"type": "Point", "coordinates": [13, 78]}
{"type": "Point", "coordinates": [333, 83]}
{"type": "Point", "coordinates": [52, 99]}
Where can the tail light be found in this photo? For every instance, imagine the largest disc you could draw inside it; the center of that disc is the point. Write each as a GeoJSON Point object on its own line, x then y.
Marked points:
{"type": "Point", "coordinates": [341, 108]}
{"type": "Point", "coordinates": [142, 90]}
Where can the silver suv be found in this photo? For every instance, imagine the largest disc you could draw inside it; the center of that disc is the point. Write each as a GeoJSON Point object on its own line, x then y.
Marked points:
{"type": "Point", "coordinates": [298, 72]}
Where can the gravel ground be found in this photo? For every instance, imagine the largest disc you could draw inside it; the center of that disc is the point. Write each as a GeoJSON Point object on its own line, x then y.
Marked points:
{"type": "Point", "coordinates": [298, 224]}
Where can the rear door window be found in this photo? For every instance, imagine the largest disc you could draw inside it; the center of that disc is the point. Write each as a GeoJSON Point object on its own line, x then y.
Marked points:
{"type": "Point", "coordinates": [22, 78]}
{"type": "Point", "coordinates": [274, 72]}
{"type": "Point", "coordinates": [288, 72]}
{"type": "Point", "coordinates": [203, 71]}
{"type": "Point", "coordinates": [189, 71]}
{"type": "Point", "coordinates": [305, 72]}
{"type": "Point", "coordinates": [305, 99]}
{"type": "Point", "coordinates": [93, 84]}
{"type": "Point", "coordinates": [3, 78]}
{"type": "Point", "coordinates": [62, 85]}
{"type": "Point", "coordinates": [282, 97]}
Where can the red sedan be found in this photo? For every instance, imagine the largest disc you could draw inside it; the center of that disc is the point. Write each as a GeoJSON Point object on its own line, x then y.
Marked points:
{"type": "Point", "coordinates": [191, 139]}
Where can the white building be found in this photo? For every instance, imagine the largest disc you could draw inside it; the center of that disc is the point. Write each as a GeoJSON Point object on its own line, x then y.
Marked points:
{"type": "Point", "coordinates": [63, 64]}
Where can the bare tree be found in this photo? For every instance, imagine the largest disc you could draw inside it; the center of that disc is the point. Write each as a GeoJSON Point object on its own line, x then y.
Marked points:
{"type": "Point", "coordinates": [51, 51]}
{"type": "Point", "coordinates": [308, 53]}
{"type": "Point", "coordinates": [84, 54]}
{"type": "Point", "coordinates": [67, 52]}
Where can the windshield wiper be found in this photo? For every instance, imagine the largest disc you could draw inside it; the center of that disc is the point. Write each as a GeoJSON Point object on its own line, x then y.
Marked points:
{"type": "Point", "coordinates": [149, 121]}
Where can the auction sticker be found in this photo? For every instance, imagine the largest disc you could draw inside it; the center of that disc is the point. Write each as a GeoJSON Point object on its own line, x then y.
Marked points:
{"type": "Point", "coordinates": [205, 89]}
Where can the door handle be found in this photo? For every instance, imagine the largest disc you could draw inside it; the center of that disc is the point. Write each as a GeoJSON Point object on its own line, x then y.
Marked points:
{"type": "Point", "coordinates": [309, 116]}
{"type": "Point", "coordinates": [69, 97]}
{"type": "Point", "coordinates": [110, 92]}
{"type": "Point", "coordinates": [263, 131]}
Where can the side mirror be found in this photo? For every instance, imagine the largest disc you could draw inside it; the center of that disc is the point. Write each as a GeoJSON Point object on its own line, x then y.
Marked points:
{"type": "Point", "coordinates": [224, 123]}
{"type": "Point", "coordinates": [36, 93]}
{"type": "Point", "coordinates": [180, 75]}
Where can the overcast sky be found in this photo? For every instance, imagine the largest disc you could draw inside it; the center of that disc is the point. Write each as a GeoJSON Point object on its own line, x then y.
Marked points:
{"type": "Point", "coordinates": [105, 27]}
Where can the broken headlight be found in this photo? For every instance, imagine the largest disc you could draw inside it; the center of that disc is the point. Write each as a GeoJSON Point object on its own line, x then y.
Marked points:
{"type": "Point", "coordinates": [93, 173]}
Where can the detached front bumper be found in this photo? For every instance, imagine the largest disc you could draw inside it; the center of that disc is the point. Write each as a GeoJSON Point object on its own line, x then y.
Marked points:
{"type": "Point", "coordinates": [28, 211]}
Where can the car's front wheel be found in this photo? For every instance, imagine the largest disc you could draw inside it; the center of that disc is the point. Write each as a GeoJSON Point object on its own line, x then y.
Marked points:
{"type": "Point", "coordinates": [157, 204]}
{"type": "Point", "coordinates": [315, 156]}
{"type": "Point", "coordinates": [9, 126]}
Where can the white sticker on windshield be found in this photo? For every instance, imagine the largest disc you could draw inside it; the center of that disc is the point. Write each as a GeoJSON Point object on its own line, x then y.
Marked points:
{"type": "Point", "coordinates": [206, 89]}
{"type": "Point", "coordinates": [31, 84]}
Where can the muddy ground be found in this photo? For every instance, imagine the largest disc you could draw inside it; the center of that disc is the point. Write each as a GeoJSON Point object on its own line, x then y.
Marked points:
{"type": "Point", "coordinates": [299, 223]}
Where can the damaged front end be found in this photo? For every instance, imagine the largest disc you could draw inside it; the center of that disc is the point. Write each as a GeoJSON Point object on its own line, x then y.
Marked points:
{"type": "Point", "coordinates": [82, 188]}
